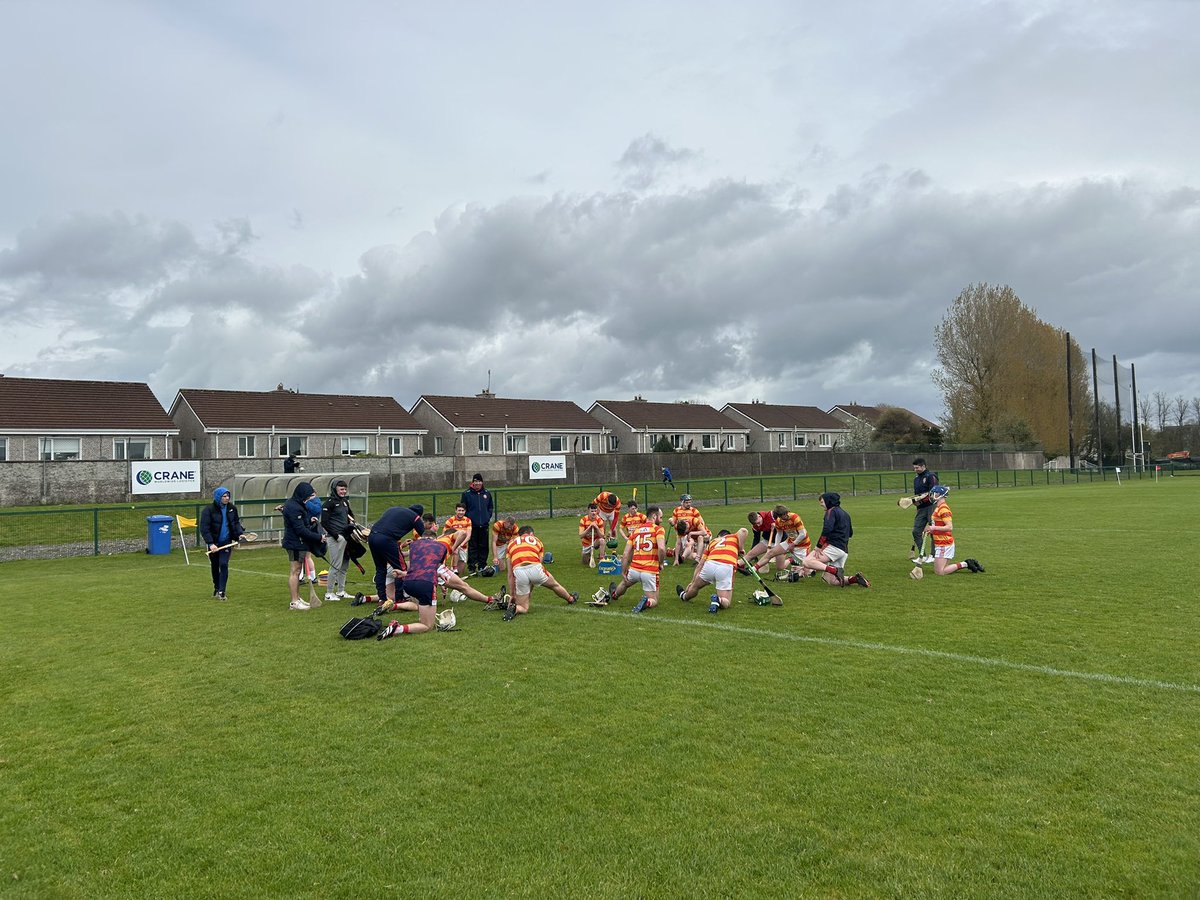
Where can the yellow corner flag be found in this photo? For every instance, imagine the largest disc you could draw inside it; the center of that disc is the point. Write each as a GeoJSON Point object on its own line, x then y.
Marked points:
{"type": "Point", "coordinates": [186, 522]}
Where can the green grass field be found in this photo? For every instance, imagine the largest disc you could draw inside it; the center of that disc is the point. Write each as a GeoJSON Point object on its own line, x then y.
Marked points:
{"type": "Point", "coordinates": [1030, 732]}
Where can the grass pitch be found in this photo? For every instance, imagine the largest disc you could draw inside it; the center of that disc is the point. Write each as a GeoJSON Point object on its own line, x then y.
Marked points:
{"type": "Point", "coordinates": [1033, 731]}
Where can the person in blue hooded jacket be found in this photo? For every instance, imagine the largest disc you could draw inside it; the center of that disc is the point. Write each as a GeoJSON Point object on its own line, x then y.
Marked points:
{"type": "Point", "coordinates": [301, 535]}
{"type": "Point", "coordinates": [220, 525]}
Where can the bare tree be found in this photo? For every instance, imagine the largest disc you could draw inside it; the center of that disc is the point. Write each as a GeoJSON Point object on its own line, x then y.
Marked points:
{"type": "Point", "coordinates": [1160, 409]}
{"type": "Point", "coordinates": [1180, 408]}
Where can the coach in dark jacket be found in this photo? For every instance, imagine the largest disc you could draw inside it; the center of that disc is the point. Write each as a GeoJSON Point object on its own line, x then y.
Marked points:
{"type": "Point", "coordinates": [924, 481]}
{"type": "Point", "coordinates": [300, 535]}
{"type": "Point", "coordinates": [220, 525]}
{"type": "Point", "coordinates": [384, 542]}
{"type": "Point", "coordinates": [478, 501]}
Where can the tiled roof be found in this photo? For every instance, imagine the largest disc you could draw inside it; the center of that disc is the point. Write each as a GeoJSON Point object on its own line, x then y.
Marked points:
{"type": "Point", "coordinates": [872, 414]}
{"type": "Point", "coordinates": [50, 404]}
{"type": "Point", "coordinates": [665, 416]}
{"type": "Point", "coordinates": [771, 415]}
{"type": "Point", "coordinates": [478, 413]}
{"type": "Point", "coordinates": [288, 409]}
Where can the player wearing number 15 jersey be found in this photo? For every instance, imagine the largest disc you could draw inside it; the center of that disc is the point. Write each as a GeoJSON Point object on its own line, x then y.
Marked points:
{"type": "Point", "coordinates": [643, 558]}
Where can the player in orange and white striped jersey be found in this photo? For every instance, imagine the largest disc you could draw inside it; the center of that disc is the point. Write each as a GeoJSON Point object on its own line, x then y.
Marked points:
{"type": "Point", "coordinates": [642, 562]}
{"type": "Point", "coordinates": [591, 534]}
{"type": "Point", "coordinates": [525, 553]}
{"type": "Point", "coordinates": [716, 568]}
{"type": "Point", "coordinates": [791, 543]}
{"type": "Point", "coordinates": [941, 528]}
{"type": "Point", "coordinates": [684, 512]}
{"type": "Point", "coordinates": [459, 522]}
{"type": "Point", "coordinates": [609, 505]}
{"type": "Point", "coordinates": [503, 531]}
{"type": "Point", "coordinates": [631, 520]}
{"type": "Point", "coordinates": [693, 540]}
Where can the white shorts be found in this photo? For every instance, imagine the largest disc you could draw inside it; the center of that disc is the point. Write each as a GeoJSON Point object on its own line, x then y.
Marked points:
{"type": "Point", "coordinates": [608, 518]}
{"type": "Point", "coordinates": [836, 555]}
{"type": "Point", "coordinates": [719, 575]}
{"type": "Point", "coordinates": [443, 573]}
{"type": "Point", "coordinates": [943, 551]}
{"type": "Point", "coordinates": [798, 553]}
{"type": "Point", "coordinates": [462, 553]}
{"type": "Point", "coordinates": [648, 580]}
{"type": "Point", "coordinates": [500, 552]}
{"type": "Point", "coordinates": [527, 577]}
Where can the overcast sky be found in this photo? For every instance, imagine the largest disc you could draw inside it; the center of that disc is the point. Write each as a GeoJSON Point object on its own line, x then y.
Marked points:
{"type": "Point", "coordinates": [719, 201]}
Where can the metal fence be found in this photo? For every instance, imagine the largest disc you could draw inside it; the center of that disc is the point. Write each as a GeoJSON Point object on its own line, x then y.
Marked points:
{"type": "Point", "coordinates": [100, 530]}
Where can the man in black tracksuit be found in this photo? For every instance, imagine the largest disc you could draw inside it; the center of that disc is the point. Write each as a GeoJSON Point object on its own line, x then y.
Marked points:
{"type": "Point", "coordinates": [924, 481]}
{"type": "Point", "coordinates": [480, 509]}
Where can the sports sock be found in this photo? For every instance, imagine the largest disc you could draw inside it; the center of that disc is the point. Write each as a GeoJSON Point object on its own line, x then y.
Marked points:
{"type": "Point", "coordinates": [962, 565]}
{"type": "Point", "coordinates": [832, 570]}
{"type": "Point", "coordinates": [404, 629]}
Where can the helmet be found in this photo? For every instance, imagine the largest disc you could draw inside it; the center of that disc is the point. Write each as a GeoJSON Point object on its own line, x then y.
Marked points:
{"type": "Point", "coordinates": [938, 491]}
{"type": "Point", "coordinates": [457, 596]}
{"type": "Point", "coordinates": [611, 543]}
{"type": "Point", "coordinates": [488, 571]}
{"type": "Point", "coordinates": [686, 497]}
{"type": "Point", "coordinates": [547, 557]}
{"type": "Point", "coordinates": [446, 620]}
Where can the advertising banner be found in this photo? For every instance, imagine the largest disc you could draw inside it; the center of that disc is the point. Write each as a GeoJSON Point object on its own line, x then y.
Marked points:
{"type": "Point", "coordinates": [542, 467]}
{"type": "Point", "coordinates": [168, 476]}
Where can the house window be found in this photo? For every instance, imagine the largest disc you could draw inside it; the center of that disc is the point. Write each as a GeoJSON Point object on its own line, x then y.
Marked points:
{"type": "Point", "coordinates": [354, 446]}
{"type": "Point", "coordinates": [708, 442]}
{"type": "Point", "coordinates": [782, 440]}
{"type": "Point", "coordinates": [395, 446]}
{"type": "Point", "coordinates": [799, 440]}
{"type": "Point", "coordinates": [131, 448]}
{"type": "Point", "coordinates": [3, 449]}
{"type": "Point", "coordinates": [823, 440]}
{"type": "Point", "coordinates": [485, 443]}
{"type": "Point", "coordinates": [58, 448]}
{"type": "Point", "coordinates": [558, 443]}
{"type": "Point", "coordinates": [614, 442]}
{"type": "Point", "coordinates": [246, 446]}
{"type": "Point", "coordinates": [677, 441]}
{"type": "Point", "coordinates": [651, 440]}
{"type": "Point", "coordinates": [293, 446]}
{"type": "Point", "coordinates": [585, 443]}
{"type": "Point", "coordinates": [515, 443]}
{"type": "Point", "coordinates": [437, 445]}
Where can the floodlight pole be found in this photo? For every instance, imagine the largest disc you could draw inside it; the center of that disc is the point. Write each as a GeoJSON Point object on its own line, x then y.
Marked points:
{"type": "Point", "coordinates": [1096, 398]}
{"type": "Point", "coordinates": [1070, 410]}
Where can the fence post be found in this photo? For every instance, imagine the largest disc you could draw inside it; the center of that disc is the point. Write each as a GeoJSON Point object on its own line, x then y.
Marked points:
{"type": "Point", "coordinates": [762, 497]}
{"type": "Point", "coordinates": [881, 484]}
{"type": "Point", "coordinates": [795, 496]}
{"type": "Point", "coordinates": [95, 532]}
{"type": "Point", "coordinates": [726, 483]}
{"type": "Point", "coordinates": [550, 501]}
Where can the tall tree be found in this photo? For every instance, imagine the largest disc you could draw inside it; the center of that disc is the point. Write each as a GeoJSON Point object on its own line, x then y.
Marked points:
{"type": "Point", "coordinates": [1003, 372]}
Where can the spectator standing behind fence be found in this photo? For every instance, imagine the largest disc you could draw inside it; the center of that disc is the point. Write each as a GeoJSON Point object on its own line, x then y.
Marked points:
{"type": "Point", "coordinates": [290, 465]}
{"type": "Point", "coordinates": [220, 525]}
{"type": "Point", "coordinates": [924, 481]}
{"type": "Point", "coordinates": [478, 502]}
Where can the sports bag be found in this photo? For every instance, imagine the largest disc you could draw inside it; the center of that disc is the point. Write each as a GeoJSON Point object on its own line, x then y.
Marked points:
{"type": "Point", "coordinates": [359, 629]}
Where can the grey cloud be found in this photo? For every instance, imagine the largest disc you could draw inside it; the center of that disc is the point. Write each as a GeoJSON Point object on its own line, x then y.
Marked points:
{"type": "Point", "coordinates": [717, 293]}
{"type": "Point", "coordinates": [646, 159]}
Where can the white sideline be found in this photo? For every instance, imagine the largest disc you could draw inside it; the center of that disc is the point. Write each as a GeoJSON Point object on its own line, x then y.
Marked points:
{"type": "Point", "coordinates": [1102, 677]}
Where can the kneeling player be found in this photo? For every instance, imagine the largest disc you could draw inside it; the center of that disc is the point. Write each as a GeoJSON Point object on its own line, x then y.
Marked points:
{"type": "Point", "coordinates": [525, 553]}
{"type": "Point", "coordinates": [941, 527]}
{"type": "Point", "coordinates": [642, 561]}
{"type": "Point", "coordinates": [717, 569]}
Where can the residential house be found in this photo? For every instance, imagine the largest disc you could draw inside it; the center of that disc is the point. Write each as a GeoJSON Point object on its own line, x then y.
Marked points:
{"type": "Point", "coordinates": [273, 424]}
{"type": "Point", "coordinates": [775, 428]}
{"type": "Point", "coordinates": [638, 424]}
{"type": "Point", "coordinates": [53, 419]}
{"type": "Point", "coordinates": [487, 425]}
{"type": "Point", "coordinates": [854, 413]}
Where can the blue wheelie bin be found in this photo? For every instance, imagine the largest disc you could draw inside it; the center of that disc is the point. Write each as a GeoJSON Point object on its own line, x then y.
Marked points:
{"type": "Point", "coordinates": [158, 535]}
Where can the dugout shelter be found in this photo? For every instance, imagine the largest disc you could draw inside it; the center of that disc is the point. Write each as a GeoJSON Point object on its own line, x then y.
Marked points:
{"type": "Point", "coordinates": [257, 495]}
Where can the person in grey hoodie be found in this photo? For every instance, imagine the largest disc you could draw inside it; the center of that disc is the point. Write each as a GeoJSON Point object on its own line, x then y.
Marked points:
{"type": "Point", "coordinates": [337, 518]}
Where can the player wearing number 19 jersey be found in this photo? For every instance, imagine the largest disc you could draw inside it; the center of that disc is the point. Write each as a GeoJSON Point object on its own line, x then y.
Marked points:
{"type": "Point", "coordinates": [643, 558]}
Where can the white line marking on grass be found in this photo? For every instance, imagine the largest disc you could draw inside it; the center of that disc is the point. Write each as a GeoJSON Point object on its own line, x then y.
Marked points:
{"type": "Point", "coordinates": [1101, 677]}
